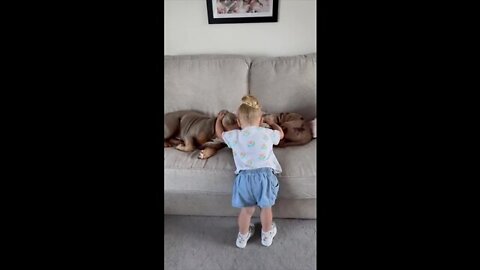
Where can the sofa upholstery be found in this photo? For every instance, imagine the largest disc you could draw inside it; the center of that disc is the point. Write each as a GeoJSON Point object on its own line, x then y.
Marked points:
{"type": "Point", "coordinates": [210, 83]}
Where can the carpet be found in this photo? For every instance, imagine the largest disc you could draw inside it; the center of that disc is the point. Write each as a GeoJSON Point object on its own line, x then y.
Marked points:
{"type": "Point", "coordinates": [208, 243]}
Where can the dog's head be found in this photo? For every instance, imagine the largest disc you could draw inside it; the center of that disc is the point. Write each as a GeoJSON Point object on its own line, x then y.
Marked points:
{"type": "Point", "coordinates": [229, 121]}
{"type": "Point", "coordinates": [270, 117]}
{"type": "Point", "coordinates": [287, 117]}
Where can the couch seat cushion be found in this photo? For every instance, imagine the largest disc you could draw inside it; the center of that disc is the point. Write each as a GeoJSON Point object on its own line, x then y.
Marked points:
{"type": "Point", "coordinates": [185, 173]}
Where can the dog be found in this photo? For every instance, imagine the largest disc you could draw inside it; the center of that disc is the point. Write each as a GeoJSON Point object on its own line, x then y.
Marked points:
{"type": "Point", "coordinates": [296, 130]}
{"type": "Point", "coordinates": [254, 6]}
{"type": "Point", "coordinates": [189, 130]}
{"type": "Point", "coordinates": [239, 6]}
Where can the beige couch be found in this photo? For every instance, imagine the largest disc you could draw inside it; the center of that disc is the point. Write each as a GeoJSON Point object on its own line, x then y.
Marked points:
{"type": "Point", "coordinates": [210, 83]}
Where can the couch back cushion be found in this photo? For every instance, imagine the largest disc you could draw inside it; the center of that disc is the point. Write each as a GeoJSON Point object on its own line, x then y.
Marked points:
{"type": "Point", "coordinates": [285, 84]}
{"type": "Point", "coordinates": [207, 83]}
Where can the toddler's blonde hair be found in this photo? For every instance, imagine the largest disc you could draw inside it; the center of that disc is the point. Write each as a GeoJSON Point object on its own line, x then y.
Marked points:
{"type": "Point", "coordinates": [250, 110]}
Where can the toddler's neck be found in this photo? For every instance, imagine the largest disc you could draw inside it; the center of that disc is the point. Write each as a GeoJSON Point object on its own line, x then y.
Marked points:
{"type": "Point", "coordinates": [244, 127]}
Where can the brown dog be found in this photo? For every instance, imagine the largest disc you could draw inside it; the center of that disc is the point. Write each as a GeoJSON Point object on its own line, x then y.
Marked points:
{"type": "Point", "coordinates": [296, 130]}
{"type": "Point", "coordinates": [190, 130]}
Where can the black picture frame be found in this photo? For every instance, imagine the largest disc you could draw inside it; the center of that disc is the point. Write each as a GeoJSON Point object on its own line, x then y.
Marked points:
{"type": "Point", "coordinates": [246, 19]}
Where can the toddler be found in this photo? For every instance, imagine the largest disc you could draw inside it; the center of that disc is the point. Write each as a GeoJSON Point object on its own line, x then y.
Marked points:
{"type": "Point", "coordinates": [256, 166]}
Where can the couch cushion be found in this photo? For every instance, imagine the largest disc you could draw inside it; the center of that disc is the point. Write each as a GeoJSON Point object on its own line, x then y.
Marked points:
{"type": "Point", "coordinates": [285, 84]}
{"type": "Point", "coordinates": [207, 83]}
{"type": "Point", "coordinates": [185, 173]}
{"type": "Point", "coordinates": [209, 204]}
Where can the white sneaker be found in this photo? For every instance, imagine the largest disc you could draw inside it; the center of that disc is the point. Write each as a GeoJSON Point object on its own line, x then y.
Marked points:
{"type": "Point", "coordinates": [242, 241]}
{"type": "Point", "coordinates": [267, 237]}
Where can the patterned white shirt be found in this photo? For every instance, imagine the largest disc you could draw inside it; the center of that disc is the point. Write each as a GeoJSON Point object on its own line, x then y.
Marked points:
{"type": "Point", "coordinates": [252, 148]}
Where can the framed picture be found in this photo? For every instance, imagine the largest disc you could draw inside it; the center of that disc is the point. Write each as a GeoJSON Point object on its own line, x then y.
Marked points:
{"type": "Point", "coordinates": [242, 11]}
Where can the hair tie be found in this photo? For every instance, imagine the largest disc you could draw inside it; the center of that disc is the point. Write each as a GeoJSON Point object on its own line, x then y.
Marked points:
{"type": "Point", "coordinates": [251, 104]}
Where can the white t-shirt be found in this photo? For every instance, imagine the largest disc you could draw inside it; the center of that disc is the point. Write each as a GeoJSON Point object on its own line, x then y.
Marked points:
{"type": "Point", "coordinates": [252, 148]}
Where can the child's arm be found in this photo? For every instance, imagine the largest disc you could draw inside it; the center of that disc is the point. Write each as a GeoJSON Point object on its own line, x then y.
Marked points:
{"type": "Point", "coordinates": [219, 126]}
{"type": "Point", "coordinates": [274, 126]}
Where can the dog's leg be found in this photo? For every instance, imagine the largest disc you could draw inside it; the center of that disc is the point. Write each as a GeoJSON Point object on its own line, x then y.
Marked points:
{"type": "Point", "coordinates": [171, 126]}
{"type": "Point", "coordinates": [189, 146]}
{"type": "Point", "coordinates": [172, 142]}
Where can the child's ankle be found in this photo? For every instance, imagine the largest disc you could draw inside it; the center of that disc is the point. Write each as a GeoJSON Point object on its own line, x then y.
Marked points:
{"type": "Point", "coordinates": [265, 231]}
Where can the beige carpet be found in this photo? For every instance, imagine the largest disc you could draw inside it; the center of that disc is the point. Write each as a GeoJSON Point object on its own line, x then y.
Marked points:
{"type": "Point", "coordinates": [208, 243]}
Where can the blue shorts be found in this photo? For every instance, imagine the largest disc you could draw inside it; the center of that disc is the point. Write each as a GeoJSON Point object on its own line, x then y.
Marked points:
{"type": "Point", "coordinates": [255, 187]}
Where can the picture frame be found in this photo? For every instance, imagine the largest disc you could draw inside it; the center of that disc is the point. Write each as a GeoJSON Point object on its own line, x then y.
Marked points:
{"type": "Point", "coordinates": [242, 11]}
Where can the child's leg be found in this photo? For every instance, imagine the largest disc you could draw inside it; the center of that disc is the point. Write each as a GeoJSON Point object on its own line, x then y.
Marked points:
{"type": "Point", "coordinates": [266, 217]}
{"type": "Point", "coordinates": [269, 230]}
{"type": "Point", "coordinates": [244, 219]}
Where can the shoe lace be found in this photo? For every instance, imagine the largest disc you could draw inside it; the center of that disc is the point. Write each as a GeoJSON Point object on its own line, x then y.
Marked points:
{"type": "Point", "coordinates": [241, 238]}
{"type": "Point", "coordinates": [266, 235]}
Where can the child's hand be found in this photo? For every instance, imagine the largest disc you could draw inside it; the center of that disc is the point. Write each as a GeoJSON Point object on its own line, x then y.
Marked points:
{"type": "Point", "coordinates": [269, 121]}
{"type": "Point", "coordinates": [218, 124]}
{"type": "Point", "coordinates": [220, 115]}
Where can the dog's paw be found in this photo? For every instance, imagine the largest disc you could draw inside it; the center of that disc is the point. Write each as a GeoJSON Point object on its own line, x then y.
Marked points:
{"type": "Point", "coordinates": [207, 153]}
{"type": "Point", "coordinates": [201, 155]}
{"type": "Point", "coordinates": [184, 148]}
{"type": "Point", "coordinates": [180, 146]}
{"type": "Point", "coordinates": [167, 144]}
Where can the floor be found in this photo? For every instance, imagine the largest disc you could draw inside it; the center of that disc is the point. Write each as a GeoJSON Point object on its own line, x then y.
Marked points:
{"type": "Point", "coordinates": [193, 242]}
